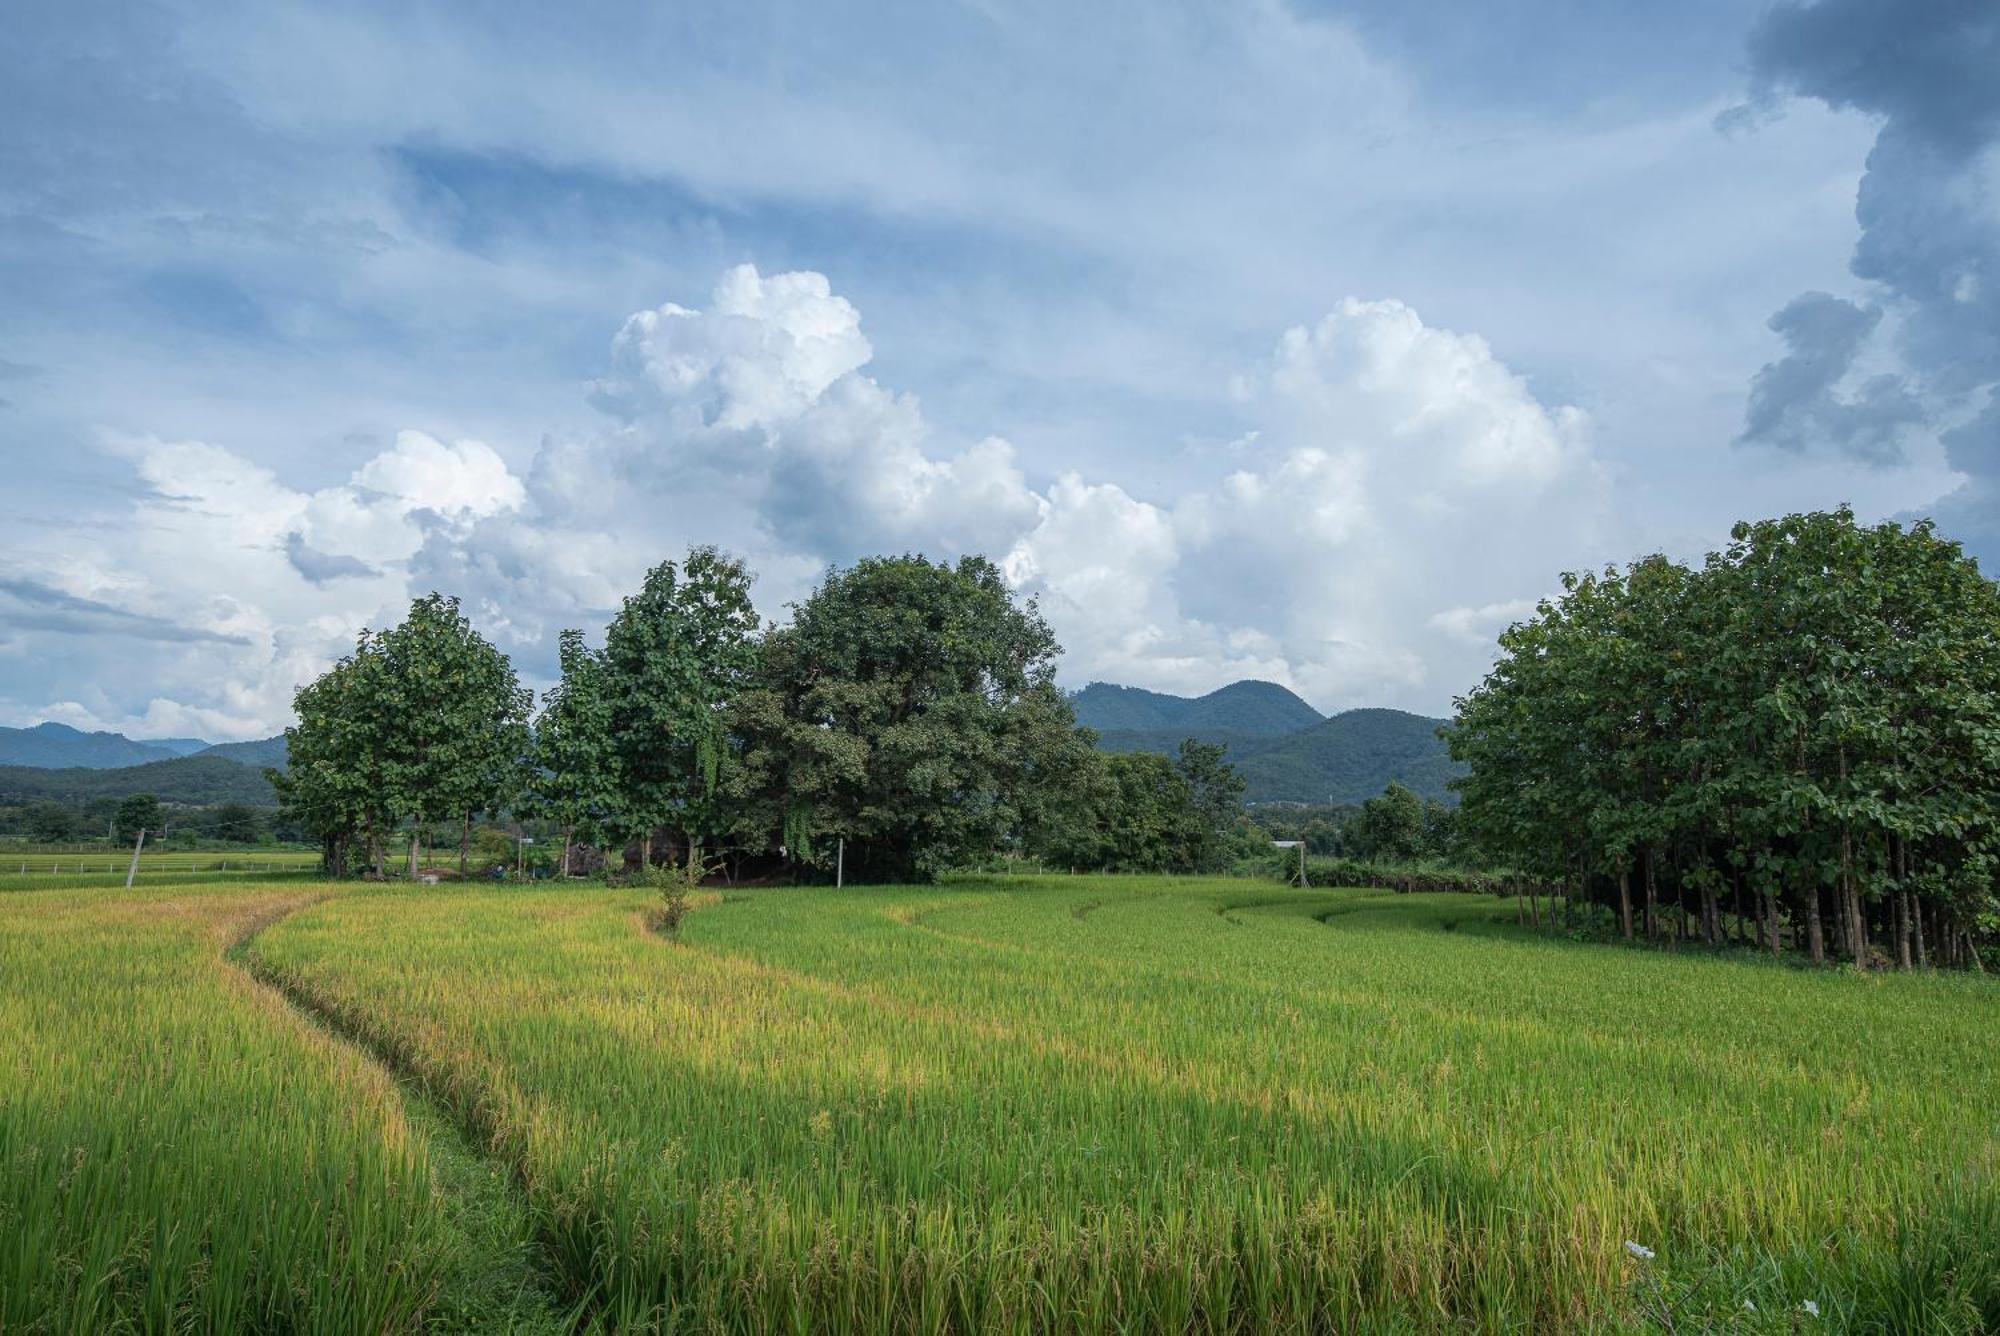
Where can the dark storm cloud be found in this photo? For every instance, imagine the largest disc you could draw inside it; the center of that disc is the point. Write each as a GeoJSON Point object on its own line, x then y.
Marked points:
{"type": "Point", "coordinates": [1928, 206]}
{"type": "Point", "coordinates": [1798, 403]}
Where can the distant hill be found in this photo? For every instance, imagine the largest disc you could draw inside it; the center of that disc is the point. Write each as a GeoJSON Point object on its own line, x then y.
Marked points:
{"type": "Point", "coordinates": [178, 746]}
{"type": "Point", "coordinates": [1246, 709]}
{"type": "Point", "coordinates": [180, 779]}
{"type": "Point", "coordinates": [260, 753]}
{"type": "Point", "coordinates": [58, 746]}
{"type": "Point", "coordinates": [1287, 751]}
{"type": "Point", "coordinates": [54, 744]}
{"type": "Point", "coordinates": [1352, 757]}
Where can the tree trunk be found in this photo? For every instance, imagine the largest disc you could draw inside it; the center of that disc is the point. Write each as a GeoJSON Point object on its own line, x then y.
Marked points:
{"type": "Point", "coordinates": [1711, 913]}
{"type": "Point", "coordinates": [464, 843]}
{"type": "Point", "coordinates": [1815, 934]}
{"type": "Point", "coordinates": [565, 857]}
{"type": "Point", "coordinates": [1625, 899]}
{"type": "Point", "coordinates": [1652, 901]}
{"type": "Point", "coordinates": [1857, 916]}
{"type": "Point", "coordinates": [1903, 960]}
{"type": "Point", "coordinates": [1534, 907]}
{"type": "Point", "coordinates": [413, 855]}
{"type": "Point", "coordinates": [1771, 919]}
{"type": "Point", "coordinates": [1923, 957]}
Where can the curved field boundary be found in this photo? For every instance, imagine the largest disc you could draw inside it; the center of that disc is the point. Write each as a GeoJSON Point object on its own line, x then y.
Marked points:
{"type": "Point", "coordinates": [519, 1287]}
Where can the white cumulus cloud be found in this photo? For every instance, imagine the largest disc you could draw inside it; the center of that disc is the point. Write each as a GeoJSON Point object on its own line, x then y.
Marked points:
{"type": "Point", "coordinates": [1395, 493]}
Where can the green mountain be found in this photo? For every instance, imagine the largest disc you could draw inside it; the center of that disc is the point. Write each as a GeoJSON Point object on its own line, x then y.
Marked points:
{"type": "Point", "coordinates": [260, 753]}
{"type": "Point", "coordinates": [1352, 757]}
{"type": "Point", "coordinates": [60, 745]}
{"type": "Point", "coordinates": [182, 779]}
{"type": "Point", "coordinates": [177, 746]}
{"type": "Point", "coordinates": [1287, 751]}
{"type": "Point", "coordinates": [1245, 709]}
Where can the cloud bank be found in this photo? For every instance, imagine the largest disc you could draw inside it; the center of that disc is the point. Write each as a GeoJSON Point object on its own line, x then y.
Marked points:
{"type": "Point", "coordinates": [1380, 460]}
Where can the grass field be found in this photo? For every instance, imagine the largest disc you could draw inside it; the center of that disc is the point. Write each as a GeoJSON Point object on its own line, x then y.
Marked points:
{"type": "Point", "coordinates": [1071, 1103]}
{"type": "Point", "coordinates": [180, 1150]}
{"type": "Point", "coordinates": [15, 862]}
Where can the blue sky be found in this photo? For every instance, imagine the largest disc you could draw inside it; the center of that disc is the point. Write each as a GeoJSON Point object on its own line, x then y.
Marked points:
{"type": "Point", "coordinates": [1305, 341]}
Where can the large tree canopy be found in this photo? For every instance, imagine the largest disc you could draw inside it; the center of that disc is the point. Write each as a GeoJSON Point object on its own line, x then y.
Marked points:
{"type": "Point", "coordinates": [1806, 729]}
{"type": "Point", "coordinates": [911, 710]}
{"type": "Point", "coordinates": [674, 657]}
{"type": "Point", "coordinates": [424, 722]}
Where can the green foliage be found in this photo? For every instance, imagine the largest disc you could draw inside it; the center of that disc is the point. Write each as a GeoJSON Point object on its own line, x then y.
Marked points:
{"type": "Point", "coordinates": [574, 780]}
{"type": "Point", "coordinates": [187, 780]}
{"type": "Point", "coordinates": [424, 722]}
{"type": "Point", "coordinates": [676, 655]}
{"type": "Point", "coordinates": [139, 812]}
{"type": "Point", "coordinates": [911, 709]}
{"type": "Point", "coordinates": [1143, 812]}
{"type": "Point", "coordinates": [1390, 825]}
{"type": "Point", "coordinates": [234, 822]}
{"type": "Point", "coordinates": [1811, 720]}
{"type": "Point", "coordinates": [1349, 758]}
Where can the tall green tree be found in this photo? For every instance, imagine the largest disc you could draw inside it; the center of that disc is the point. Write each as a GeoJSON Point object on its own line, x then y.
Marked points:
{"type": "Point", "coordinates": [332, 784]}
{"type": "Point", "coordinates": [1807, 729]}
{"type": "Point", "coordinates": [140, 811]}
{"type": "Point", "coordinates": [676, 655]}
{"type": "Point", "coordinates": [1390, 825]}
{"type": "Point", "coordinates": [911, 710]}
{"type": "Point", "coordinates": [425, 722]}
{"type": "Point", "coordinates": [453, 720]}
{"type": "Point", "coordinates": [574, 780]}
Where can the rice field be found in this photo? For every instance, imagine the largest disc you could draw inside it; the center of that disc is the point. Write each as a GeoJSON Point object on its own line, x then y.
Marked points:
{"type": "Point", "coordinates": [181, 1151]}
{"type": "Point", "coordinates": [1060, 1104]}
{"type": "Point", "coordinates": [97, 867]}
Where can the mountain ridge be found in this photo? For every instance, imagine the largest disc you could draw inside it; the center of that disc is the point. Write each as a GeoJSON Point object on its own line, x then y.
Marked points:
{"type": "Point", "coordinates": [195, 780]}
{"type": "Point", "coordinates": [1249, 707]}
{"type": "Point", "coordinates": [1286, 750]}
{"type": "Point", "coordinates": [53, 746]}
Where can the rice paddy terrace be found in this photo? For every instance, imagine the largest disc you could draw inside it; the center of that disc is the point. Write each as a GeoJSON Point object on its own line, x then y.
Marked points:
{"type": "Point", "coordinates": [1058, 1104]}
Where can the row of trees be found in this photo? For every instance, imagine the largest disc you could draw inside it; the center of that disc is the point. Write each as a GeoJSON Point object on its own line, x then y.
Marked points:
{"type": "Point", "coordinates": [1395, 826]}
{"type": "Point", "coordinates": [118, 821]}
{"type": "Point", "coordinates": [906, 720]}
{"type": "Point", "coordinates": [1803, 733]}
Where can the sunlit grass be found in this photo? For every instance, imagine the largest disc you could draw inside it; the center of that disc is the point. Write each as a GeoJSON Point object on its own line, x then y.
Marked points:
{"type": "Point", "coordinates": [1088, 1103]}
{"type": "Point", "coordinates": [180, 1151]}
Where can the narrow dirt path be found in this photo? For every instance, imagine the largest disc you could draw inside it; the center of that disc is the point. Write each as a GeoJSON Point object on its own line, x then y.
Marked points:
{"type": "Point", "coordinates": [503, 1279]}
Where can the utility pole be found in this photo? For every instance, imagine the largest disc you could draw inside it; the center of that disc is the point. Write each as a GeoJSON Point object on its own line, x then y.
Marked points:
{"type": "Point", "coordinates": [840, 864]}
{"type": "Point", "coordinates": [133, 871]}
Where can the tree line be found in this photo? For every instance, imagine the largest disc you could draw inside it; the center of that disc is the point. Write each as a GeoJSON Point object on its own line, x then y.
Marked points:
{"type": "Point", "coordinates": [1796, 743]}
{"type": "Point", "coordinates": [115, 820]}
{"type": "Point", "coordinates": [1394, 826]}
{"type": "Point", "coordinates": [906, 720]}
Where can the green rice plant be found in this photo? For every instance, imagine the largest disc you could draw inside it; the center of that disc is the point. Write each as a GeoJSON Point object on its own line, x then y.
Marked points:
{"type": "Point", "coordinates": [181, 1151]}
{"type": "Point", "coordinates": [1120, 1103]}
